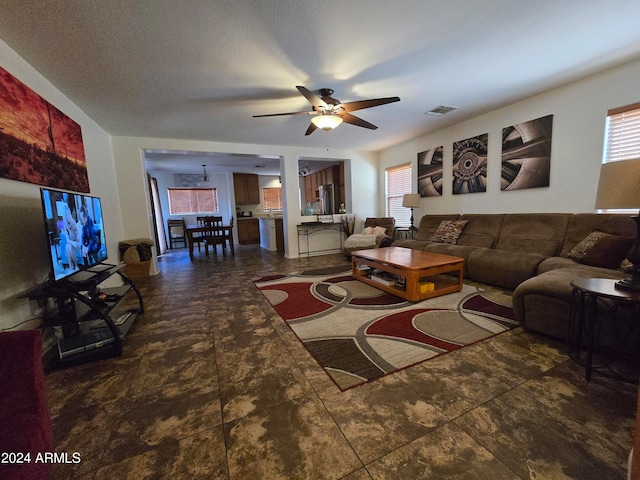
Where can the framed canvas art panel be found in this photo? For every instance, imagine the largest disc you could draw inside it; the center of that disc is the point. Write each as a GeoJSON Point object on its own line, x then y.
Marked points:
{"type": "Point", "coordinates": [526, 154]}
{"type": "Point", "coordinates": [430, 172]}
{"type": "Point", "coordinates": [38, 143]}
{"type": "Point", "coordinates": [470, 165]}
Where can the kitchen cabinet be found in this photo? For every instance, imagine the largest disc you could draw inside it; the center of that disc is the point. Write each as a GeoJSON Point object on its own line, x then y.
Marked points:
{"type": "Point", "coordinates": [310, 189]}
{"type": "Point", "coordinates": [247, 188]}
{"type": "Point", "coordinates": [326, 176]}
{"type": "Point", "coordinates": [248, 231]}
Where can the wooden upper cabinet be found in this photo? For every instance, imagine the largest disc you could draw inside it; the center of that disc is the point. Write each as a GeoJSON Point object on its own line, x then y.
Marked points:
{"type": "Point", "coordinates": [333, 175]}
{"type": "Point", "coordinates": [309, 190]}
{"type": "Point", "coordinates": [247, 188]}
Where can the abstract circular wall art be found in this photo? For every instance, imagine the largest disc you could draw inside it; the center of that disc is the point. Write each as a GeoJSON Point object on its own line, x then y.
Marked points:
{"type": "Point", "coordinates": [470, 165]}
{"type": "Point", "coordinates": [526, 154]}
{"type": "Point", "coordinates": [430, 172]}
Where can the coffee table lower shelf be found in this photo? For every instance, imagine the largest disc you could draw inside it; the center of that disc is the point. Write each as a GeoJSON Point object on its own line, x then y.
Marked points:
{"type": "Point", "coordinates": [443, 284]}
{"type": "Point", "coordinates": [445, 273]}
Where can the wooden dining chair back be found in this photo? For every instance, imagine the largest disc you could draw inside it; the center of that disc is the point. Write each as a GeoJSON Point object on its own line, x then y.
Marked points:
{"type": "Point", "coordinates": [198, 236]}
{"type": "Point", "coordinates": [176, 229]}
{"type": "Point", "coordinates": [213, 234]}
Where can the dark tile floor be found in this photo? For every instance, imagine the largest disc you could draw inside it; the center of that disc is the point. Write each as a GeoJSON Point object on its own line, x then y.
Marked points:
{"type": "Point", "coordinates": [213, 385]}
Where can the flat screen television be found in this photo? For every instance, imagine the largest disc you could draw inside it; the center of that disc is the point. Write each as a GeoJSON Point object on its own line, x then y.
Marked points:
{"type": "Point", "coordinates": [75, 231]}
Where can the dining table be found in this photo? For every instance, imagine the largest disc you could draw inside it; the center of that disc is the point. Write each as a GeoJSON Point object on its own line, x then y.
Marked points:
{"type": "Point", "coordinates": [227, 234]}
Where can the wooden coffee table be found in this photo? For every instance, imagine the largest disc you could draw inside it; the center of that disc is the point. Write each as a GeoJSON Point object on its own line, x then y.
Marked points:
{"type": "Point", "coordinates": [421, 274]}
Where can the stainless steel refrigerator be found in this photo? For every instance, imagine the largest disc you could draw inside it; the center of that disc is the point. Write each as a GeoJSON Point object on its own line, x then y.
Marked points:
{"type": "Point", "coordinates": [329, 196]}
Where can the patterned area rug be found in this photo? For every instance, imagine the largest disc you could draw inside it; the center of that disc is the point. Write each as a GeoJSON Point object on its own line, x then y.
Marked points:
{"type": "Point", "coordinates": [358, 333]}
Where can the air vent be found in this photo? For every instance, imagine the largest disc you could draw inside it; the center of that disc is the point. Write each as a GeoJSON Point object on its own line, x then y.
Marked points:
{"type": "Point", "coordinates": [440, 110]}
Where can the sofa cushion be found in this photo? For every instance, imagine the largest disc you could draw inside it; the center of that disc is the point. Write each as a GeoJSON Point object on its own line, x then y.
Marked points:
{"type": "Point", "coordinates": [429, 224]}
{"type": "Point", "coordinates": [410, 243]}
{"type": "Point", "coordinates": [448, 231]}
{"type": "Point", "coordinates": [502, 268]}
{"type": "Point", "coordinates": [557, 263]}
{"type": "Point", "coordinates": [540, 233]}
{"type": "Point", "coordinates": [582, 224]}
{"type": "Point", "coordinates": [482, 230]}
{"type": "Point", "coordinates": [543, 303]}
{"type": "Point", "coordinates": [455, 250]}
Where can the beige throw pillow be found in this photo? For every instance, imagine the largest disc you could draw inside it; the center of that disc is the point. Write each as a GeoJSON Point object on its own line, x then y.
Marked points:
{"type": "Point", "coordinates": [448, 231]}
{"type": "Point", "coordinates": [586, 244]}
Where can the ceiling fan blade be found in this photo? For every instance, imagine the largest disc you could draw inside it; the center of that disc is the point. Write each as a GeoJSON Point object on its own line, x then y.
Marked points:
{"type": "Point", "coordinates": [311, 129]}
{"type": "Point", "coordinates": [353, 120]}
{"type": "Point", "coordinates": [314, 100]}
{"type": "Point", "coordinates": [360, 104]}
{"type": "Point", "coordinates": [280, 114]}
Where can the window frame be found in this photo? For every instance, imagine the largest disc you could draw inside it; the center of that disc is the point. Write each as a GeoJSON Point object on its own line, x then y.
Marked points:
{"type": "Point", "coordinates": [193, 200]}
{"type": "Point", "coordinates": [395, 189]}
{"type": "Point", "coordinates": [621, 140]}
{"type": "Point", "coordinates": [265, 203]}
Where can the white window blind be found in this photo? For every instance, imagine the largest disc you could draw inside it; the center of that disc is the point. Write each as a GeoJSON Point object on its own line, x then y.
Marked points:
{"type": "Point", "coordinates": [623, 133]}
{"type": "Point", "coordinates": [622, 139]}
{"type": "Point", "coordinates": [398, 182]}
{"type": "Point", "coordinates": [272, 198]}
{"type": "Point", "coordinates": [187, 201]}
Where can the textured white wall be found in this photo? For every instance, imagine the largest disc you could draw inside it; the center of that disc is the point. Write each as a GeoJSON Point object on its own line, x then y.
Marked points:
{"type": "Point", "coordinates": [23, 245]}
{"type": "Point", "coordinates": [363, 171]}
{"type": "Point", "coordinates": [579, 110]}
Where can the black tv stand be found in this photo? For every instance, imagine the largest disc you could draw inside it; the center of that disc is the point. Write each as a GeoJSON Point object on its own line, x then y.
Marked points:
{"type": "Point", "coordinates": [93, 321]}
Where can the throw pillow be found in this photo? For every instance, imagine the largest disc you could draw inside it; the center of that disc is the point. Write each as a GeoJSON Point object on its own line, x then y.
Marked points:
{"type": "Point", "coordinates": [379, 231]}
{"type": "Point", "coordinates": [367, 231]}
{"type": "Point", "coordinates": [609, 252]}
{"type": "Point", "coordinates": [448, 231]}
{"type": "Point", "coordinates": [586, 244]}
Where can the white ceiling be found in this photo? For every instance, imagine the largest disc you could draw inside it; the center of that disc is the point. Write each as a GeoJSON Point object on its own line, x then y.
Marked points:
{"type": "Point", "coordinates": [194, 69]}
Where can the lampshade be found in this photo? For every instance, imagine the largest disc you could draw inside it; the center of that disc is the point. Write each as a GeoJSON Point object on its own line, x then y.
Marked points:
{"type": "Point", "coordinates": [411, 200]}
{"type": "Point", "coordinates": [619, 185]}
{"type": "Point", "coordinates": [326, 122]}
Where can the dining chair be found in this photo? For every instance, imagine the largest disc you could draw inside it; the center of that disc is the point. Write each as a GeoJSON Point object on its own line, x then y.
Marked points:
{"type": "Point", "coordinates": [213, 234]}
{"type": "Point", "coordinates": [176, 229]}
{"type": "Point", "coordinates": [198, 236]}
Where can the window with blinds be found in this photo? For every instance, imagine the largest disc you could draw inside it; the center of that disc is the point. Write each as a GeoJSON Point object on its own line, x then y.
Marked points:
{"type": "Point", "coordinates": [623, 133]}
{"type": "Point", "coordinates": [398, 182]}
{"type": "Point", "coordinates": [272, 198]}
{"type": "Point", "coordinates": [189, 201]}
{"type": "Point", "coordinates": [622, 137]}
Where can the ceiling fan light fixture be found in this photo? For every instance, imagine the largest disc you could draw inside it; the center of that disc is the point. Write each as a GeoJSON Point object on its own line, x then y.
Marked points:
{"type": "Point", "coordinates": [326, 122]}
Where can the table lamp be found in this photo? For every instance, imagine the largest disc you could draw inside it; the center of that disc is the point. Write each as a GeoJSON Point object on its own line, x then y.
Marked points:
{"type": "Point", "coordinates": [411, 200]}
{"type": "Point", "coordinates": [619, 187]}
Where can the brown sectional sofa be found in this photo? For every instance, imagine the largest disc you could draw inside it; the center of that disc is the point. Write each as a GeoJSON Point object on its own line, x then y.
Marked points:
{"type": "Point", "coordinates": [526, 253]}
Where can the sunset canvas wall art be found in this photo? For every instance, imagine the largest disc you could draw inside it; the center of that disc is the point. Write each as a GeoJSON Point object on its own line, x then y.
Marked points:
{"type": "Point", "coordinates": [38, 143]}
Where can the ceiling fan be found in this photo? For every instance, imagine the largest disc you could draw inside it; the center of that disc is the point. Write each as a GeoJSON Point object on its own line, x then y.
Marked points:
{"type": "Point", "coordinates": [330, 112]}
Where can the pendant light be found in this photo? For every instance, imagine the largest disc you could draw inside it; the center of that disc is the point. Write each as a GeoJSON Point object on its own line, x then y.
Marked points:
{"type": "Point", "coordinates": [205, 183]}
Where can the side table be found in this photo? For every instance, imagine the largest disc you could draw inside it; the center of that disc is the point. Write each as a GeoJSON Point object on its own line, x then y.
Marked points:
{"type": "Point", "coordinates": [591, 296]}
{"type": "Point", "coordinates": [403, 233]}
